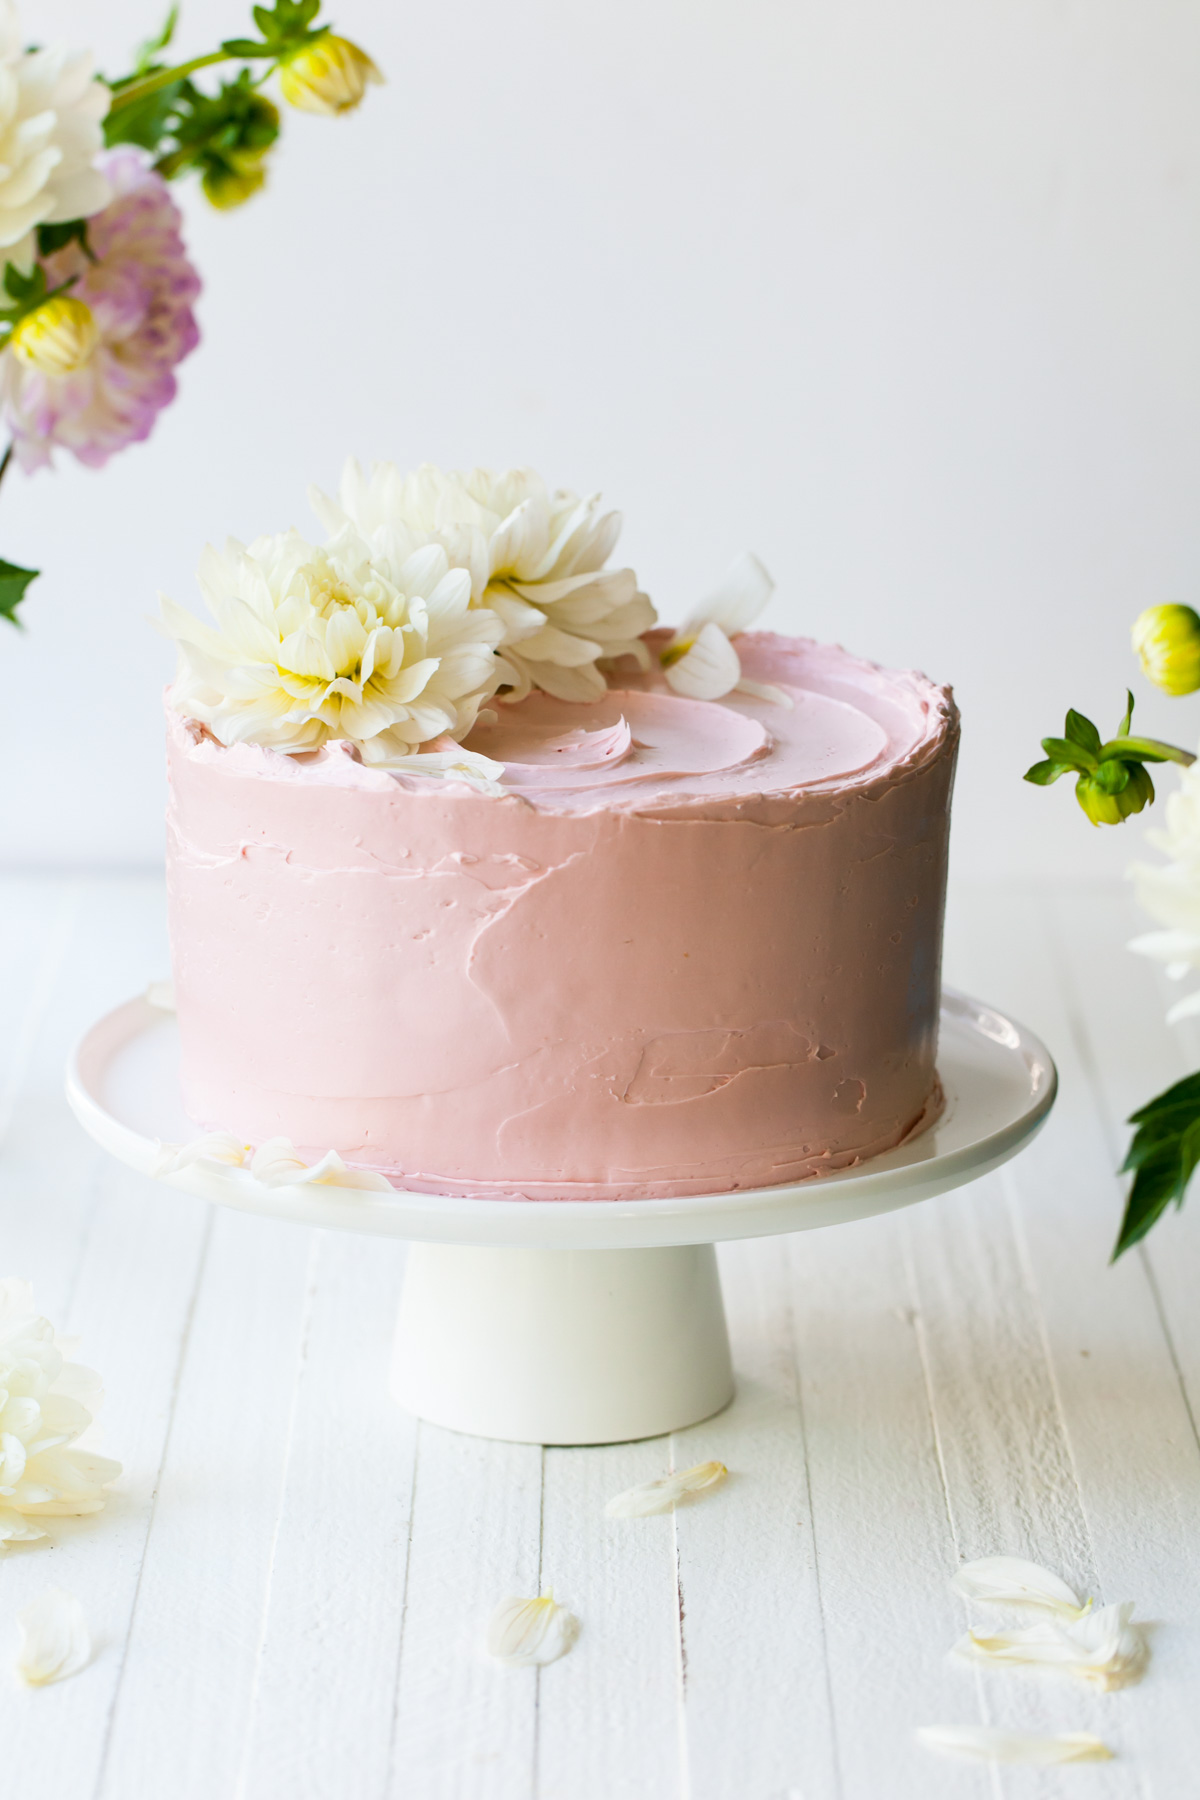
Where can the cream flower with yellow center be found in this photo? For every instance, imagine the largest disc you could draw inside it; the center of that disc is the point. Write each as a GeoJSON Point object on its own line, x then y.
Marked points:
{"type": "Point", "coordinates": [535, 558]}
{"type": "Point", "coordinates": [318, 644]}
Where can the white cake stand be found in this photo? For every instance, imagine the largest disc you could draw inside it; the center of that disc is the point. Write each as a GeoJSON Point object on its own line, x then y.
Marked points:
{"type": "Point", "coordinates": [572, 1322]}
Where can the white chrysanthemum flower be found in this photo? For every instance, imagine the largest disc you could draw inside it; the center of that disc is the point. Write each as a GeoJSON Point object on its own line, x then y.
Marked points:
{"type": "Point", "coordinates": [535, 558]}
{"type": "Point", "coordinates": [50, 112]}
{"type": "Point", "coordinates": [336, 643]}
{"type": "Point", "coordinates": [1170, 891]}
{"type": "Point", "coordinates": [701, 661]}
{"type": "Point", "coordinates": [45, 1404]}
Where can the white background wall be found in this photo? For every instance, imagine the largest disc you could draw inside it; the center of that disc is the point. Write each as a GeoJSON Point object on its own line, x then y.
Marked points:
{"type": "Point", "coordinates": [904, 297]}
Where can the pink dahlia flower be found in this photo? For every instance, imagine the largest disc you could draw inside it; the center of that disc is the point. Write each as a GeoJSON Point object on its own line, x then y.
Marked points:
{"type": "Point", "coordinates": [140, 291]}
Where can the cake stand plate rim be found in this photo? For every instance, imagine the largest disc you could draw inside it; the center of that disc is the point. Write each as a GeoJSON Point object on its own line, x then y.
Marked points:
{"type": "Point", "coordinates": [1007, 1054]}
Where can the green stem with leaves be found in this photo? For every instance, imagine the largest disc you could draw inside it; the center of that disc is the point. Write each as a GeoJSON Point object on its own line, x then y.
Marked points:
{"type": "Point", "coordinates": [141, 90]}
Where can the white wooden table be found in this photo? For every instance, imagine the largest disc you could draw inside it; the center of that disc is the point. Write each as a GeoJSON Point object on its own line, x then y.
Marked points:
{"type": "Point", "coordinates": [286, 1590]}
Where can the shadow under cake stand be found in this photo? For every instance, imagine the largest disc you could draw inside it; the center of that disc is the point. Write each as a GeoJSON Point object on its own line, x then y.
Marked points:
{"type": "Point", "coordinates": [573, 1322]}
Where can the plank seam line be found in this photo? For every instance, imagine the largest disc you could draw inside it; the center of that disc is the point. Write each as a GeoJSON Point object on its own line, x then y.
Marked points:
{"type": "Point", "coordinates": [536, 1746]}
{"type": "Point", "coordinates": [802, 1423]}
{"type": "Point", "coordinates": [683, 1749]}
{"type": "Point", "coordinates": [177, 1378]}
{"type": "Point", "coordinates": [904, 1227]}
{"type": "Point", "coordinates": [412, 1509]}
{"type": "Point", "coordinates": [310, 1290]}
{"type": "Point", "coordinates": [51, 962]}
{"type": "Point", "coordinates": [1012, 1206]}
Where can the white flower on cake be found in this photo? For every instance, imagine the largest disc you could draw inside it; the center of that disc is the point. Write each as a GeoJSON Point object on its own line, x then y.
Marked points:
{"type": "Point", "coordinates": [535, 558]}
{"type": "Point", "coordinates": [315, 644]}
{"type": "Point", "coordinates": [701, 661]}
{"type": "Point", "coordinates": [50, 113]}
{"type": "Point", "coordinates": [46, 1403]}
{"type": "Point", "coordinates": [275, 1163]}
{"type": "Point", "coordinates": [1170, 892]}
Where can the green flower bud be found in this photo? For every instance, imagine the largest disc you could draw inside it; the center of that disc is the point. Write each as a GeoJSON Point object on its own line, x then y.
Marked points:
{"type": "Point", "coordinates": [1167, 641]}
{"type": "Point", "coordinates": [1116, 790]}
{"type": "Point", "coordinates": [233, 179]}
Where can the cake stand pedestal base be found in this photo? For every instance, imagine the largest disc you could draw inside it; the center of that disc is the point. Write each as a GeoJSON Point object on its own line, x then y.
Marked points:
{"type": "Point", "coordinates": [562, 1346]}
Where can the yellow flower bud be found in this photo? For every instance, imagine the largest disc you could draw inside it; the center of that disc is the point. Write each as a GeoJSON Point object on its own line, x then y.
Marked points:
{"type": "Point", "coordinates": [58, 338]}
{"type": "Point", "coordinates": [329, 75]}
{"type": "Point", "coordinates": [1167, 640]}
{"type": "Point", "coordinates": [235, 179]}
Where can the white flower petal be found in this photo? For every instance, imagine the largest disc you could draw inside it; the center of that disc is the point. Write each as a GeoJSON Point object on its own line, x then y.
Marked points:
{"type": "Point", "coordinates": [661, 1496]}
{"type": "Point", "coordinates": [54, 1638]}
{"type": "Point", "coordinates": [526, 1633]}
{"type": "Point", "coordinates": [736, 601]}
{"type": "Point", "coordinates": [764, 690]}
{"type": "Point", "coordinates": [1187, 1008]}
{"type": "Point", "coordinates": [987, 1743]}
{"type": "Point", "coordinates": [1103, 1648]}
{"type": "Point", "coordinates": [162, 995]}
{"type": "Point", "coordinates": [15, 1528]}
{"type": "Point", "coordinates": [277, 1164]}
{"type": "Point", "coordinates": [1011, 1581]}
{"type": "Point", "coordinates": [708, 670]}
{"type": "Point", "coordinates": [211, 1147]}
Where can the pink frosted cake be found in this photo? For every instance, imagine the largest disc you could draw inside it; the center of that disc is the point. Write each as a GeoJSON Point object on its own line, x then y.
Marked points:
{"type": "Point", "coordinates": [681, 945]}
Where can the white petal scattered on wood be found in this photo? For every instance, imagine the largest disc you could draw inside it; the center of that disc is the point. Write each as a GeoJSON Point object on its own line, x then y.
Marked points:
{"type": "Point", "coordinates": [1103, 1648]}
{"type": "Point", "coordinates": [1011, 1581]}
{"type": "Point", "coordinates": [526, 1633]}
{"type": "Point", "coordinates": [660, 1496]}
{"type": "Point", "coordinates": [54, 1638]}
{"type": "Point", "coordinates": [986, 1743]}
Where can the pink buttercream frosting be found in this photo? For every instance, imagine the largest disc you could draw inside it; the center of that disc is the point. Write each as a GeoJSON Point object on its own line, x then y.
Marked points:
{"type": "Point", "coordinates": [694, 947]}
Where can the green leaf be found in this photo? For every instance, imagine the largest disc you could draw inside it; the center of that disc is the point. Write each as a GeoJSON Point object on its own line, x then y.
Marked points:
{"type": "Point", "coordinates": [246, 47]}
{"type": "Point", "coordinates": [144, 62]}
{"type": "Point", "coordinates": [1081, 731]}
{"type": "Point", "coordinates": [1152, 1192]}
{"type": "Point", "coordinates": [1184, 1093]}
{"type": "Point", "coordinates": [1063, 750]}
{"type": "Point", "coordinates": [1140, 749]}
{"type": "Point", "coordinates": [13, 582]}
{"type": "Point", "coordinates": [1043, 773]}
{"type": "Point", "coordinates": [1127, 721]}
{"type": "Point", "coordinates": [24, 289]}
{"type": "Point", "coordinates": [1163, 1155]}
{"type": "Point", "coordinates": [144, 122]}
{"type": "Point", "coordinates": [55, 237]}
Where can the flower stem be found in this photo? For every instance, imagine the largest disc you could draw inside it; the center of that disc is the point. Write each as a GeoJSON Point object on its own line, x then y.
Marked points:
{"type": "Point", "coordinates": [4, 462]}
{"type": "Point", "coordinates": [164, 78]}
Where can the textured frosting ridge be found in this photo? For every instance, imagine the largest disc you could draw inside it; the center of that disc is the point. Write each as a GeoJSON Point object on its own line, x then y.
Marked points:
{"type": "Point", "coordinates": [694, 947]}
